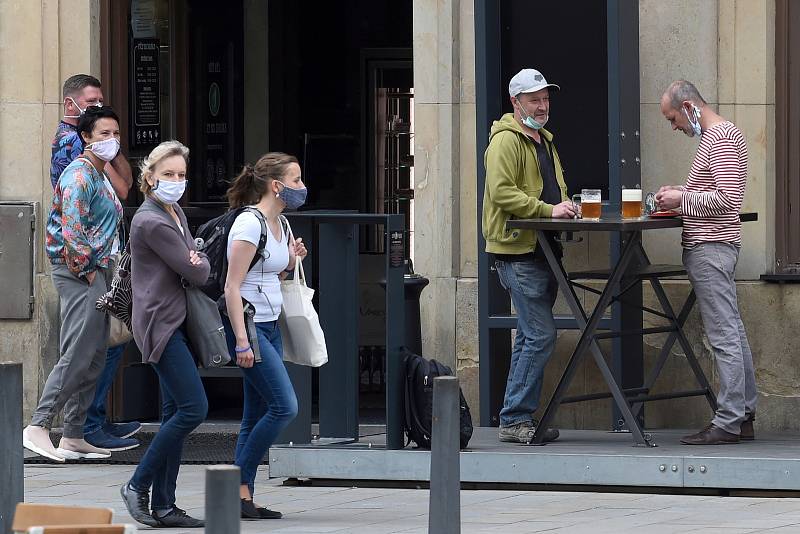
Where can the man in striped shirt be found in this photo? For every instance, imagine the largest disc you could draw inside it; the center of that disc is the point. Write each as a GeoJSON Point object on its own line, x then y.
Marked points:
{"type": "Point", "coordinates": [710, 203]}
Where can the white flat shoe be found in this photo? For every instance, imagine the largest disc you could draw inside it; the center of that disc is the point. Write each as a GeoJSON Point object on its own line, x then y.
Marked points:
{"type": "Point", "coordinates": [75, 455]}
{"type": "Point", "coordinates": [52, 454]}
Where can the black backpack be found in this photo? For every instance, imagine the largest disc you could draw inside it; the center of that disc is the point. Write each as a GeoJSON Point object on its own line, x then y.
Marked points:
{"type": "Point", "coordinates": [214, 236]}
{"type": "Point", "coordinates": [419, 375]}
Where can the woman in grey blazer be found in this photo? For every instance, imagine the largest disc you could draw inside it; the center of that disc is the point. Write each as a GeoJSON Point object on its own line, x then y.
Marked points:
{"type": "Point", "coordinates": [162, 254]}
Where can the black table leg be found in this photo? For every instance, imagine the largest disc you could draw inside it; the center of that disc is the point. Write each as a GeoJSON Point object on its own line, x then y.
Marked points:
{"type": "Point", "coordinates": [587, 340]}
{"type": "Point", "coordinates": [677, 335]}
{"type": "Point", "coordinates": [691, 358]}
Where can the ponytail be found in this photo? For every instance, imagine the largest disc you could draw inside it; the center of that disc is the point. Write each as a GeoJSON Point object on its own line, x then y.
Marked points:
{"type": "Point", "coordinates": [253, 182]}
{"type": "Point", "coordinates": [242, 191]}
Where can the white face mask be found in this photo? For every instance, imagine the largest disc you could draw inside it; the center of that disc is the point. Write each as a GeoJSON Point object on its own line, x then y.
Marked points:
{"type": "Point", "coordinates": [694, 121]}
{"type": "Point", "coordinates": [97, 104]}
{"type": "Point", "coordinates": [169, 192]}
{"type": "Point", "coordinates": [529, 121]}
{"type": "Point", "coordinates": [107, 149]}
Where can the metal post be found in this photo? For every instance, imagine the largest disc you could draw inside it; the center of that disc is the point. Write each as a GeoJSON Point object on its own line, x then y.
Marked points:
{"type": "Point", "coordinates": [624, 169]}
{"type": "Point", "coordinates": [11, 472]}
{"type": "Point", "coordinates": [338, 312]}
{"type": "Point", "coordinates": [223, 509]}
{"type": "Point", "coordinates": [494, 341]}
{"type": "Point", "coordinates": [444, 515]}
{"type": "Point", "coordinates": [395, 330]}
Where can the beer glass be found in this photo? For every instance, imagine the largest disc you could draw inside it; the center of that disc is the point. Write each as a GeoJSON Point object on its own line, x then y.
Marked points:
{"type": "Point", "coordinates": [631, 203]}
{"type": "Point", "coordinates": [590, 203]}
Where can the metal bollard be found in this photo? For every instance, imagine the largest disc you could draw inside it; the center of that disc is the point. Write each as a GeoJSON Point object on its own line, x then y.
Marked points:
{"type": "Point", "coordinates": [444, 513]}
{"type": "Point", "coordinates": [223, 509]}
{"type": "Point", "coordinates": [11, 469]}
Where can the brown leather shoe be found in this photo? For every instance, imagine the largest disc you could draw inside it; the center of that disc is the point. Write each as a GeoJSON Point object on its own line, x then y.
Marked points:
{"type": "Point", "coordinates": [747, 433]}
{"type": "Point", "coordinates": [711, 435]}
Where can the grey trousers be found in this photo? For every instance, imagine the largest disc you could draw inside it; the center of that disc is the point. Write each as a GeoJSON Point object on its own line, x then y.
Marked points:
{"type": "Point", "coordinates": [711, 268]}
{"type": "Point", "coordinates": [84, 334]}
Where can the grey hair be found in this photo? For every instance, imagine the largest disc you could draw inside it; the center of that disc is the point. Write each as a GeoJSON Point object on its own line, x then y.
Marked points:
{"type": "Point", "coordinates": [77, 83]}
{"type": "Point", "coordinates": [680, 91]}
{"type": "Point", "coordinates": [165, 150]}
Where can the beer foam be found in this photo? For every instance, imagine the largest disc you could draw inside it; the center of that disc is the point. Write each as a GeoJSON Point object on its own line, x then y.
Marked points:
{"type": "Point", "coordinates": [631, 195]}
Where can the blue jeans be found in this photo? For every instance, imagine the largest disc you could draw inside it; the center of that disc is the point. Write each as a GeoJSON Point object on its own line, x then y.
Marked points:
{"type": "Point", "coordinates": [533, 291]}
{"type": "Point", "coordinates": [269, 400]}
{"type": "Point", "coordinates": [96, 415]}
{"type": "Point", "coordinates": [184, 407]}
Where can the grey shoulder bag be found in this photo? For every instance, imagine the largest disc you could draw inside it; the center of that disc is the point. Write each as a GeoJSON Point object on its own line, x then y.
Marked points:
{"type": "Point", "coordinates": [204, 329]}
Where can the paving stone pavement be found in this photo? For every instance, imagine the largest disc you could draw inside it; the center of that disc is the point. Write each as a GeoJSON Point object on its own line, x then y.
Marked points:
{"type": "Point", "coordinates": [316, 509]}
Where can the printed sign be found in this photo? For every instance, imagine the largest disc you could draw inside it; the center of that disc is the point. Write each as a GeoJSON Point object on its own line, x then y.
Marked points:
{"type": "Point", "coordinates": [146, 99]}
{"type": "Point", "coordinates": [396, 249]}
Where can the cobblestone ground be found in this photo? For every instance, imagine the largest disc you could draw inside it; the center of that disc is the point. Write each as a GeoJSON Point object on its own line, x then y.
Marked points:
{"type": "Point", "coordinates": [384, 511]}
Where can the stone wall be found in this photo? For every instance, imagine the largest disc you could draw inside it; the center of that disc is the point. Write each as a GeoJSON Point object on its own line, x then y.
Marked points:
{"type": "Point", "coordinates": [41, 44]}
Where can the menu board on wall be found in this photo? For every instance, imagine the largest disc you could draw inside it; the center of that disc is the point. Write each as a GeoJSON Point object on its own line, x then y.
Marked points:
{"type": "Point", "coordinates": [146, 98]}
{"type": "Point", "coordinates": [217, 137]}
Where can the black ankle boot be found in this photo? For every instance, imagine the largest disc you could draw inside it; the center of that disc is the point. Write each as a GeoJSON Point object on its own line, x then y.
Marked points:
{"type": "Point", "coordinates": [266, 513]}
{"type": "Point", "coordinates": [249, 510]}
{"type": "Point", "coordinates": [178, 518]}
{"type": "Point", "coordinates": [138, 505]}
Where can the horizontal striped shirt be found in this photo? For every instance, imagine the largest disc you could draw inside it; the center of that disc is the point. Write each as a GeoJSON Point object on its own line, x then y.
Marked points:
{"type": "Point", "coordinates": [712, 197]}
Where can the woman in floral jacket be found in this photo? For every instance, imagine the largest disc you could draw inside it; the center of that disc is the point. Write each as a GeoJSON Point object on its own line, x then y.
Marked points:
{"type": "Point", "coordinates": [81, 230]}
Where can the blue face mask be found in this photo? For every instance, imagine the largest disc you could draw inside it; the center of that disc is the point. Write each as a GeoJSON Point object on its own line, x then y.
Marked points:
{"type": "Point", "coordinates": [529, 121]}
{"type": "Point", "coordinates": [293, 198]}
{"type": "Point", "coordinates": [694, 120]}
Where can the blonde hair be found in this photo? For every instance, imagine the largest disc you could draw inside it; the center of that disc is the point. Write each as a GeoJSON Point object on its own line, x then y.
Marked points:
{"type": "Point", "coordinates": [253, 182]}
{"type": "Point", "coordinates": [165, 150]}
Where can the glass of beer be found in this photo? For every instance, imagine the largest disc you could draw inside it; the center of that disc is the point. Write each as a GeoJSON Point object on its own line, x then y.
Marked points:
{"type": "Point", "coordinates": [631, 203]}
{"type": "Point", "coordinates": [590, 203]}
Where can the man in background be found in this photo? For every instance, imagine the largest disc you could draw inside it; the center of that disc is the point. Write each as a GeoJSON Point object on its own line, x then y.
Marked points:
{"type": "Point", "coordinates": [79, 92]}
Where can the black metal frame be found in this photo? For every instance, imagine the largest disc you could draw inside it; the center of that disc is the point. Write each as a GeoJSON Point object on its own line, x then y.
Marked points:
{"type": "Point", "coordinates": [624, 170]}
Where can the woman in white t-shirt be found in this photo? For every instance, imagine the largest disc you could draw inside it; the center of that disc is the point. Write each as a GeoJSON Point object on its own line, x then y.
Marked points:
{"type": "Point", "coordinates": [270, 186]}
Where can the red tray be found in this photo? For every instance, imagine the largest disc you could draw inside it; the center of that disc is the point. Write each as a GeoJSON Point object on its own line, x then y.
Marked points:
{"type": "Point", "coordinates": [664, 214]}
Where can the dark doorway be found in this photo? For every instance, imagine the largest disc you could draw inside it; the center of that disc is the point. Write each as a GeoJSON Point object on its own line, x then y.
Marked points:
{"type": "Point", "coordinates": [316, 95]}
{"type": "Point", "coordinates": [321, 96]}
{"type": "Point", "coordinates": [568, 46]}
{"type": "Point", "coordinates": [216, 97]}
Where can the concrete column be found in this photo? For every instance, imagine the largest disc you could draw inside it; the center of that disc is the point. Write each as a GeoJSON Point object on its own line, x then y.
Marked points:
{"type": "Point", "coordinates": [437, 116]}
{"type": "Point", "coordinates": [223, 509]}
{"type": "Point", "coordinates": [11, 471]}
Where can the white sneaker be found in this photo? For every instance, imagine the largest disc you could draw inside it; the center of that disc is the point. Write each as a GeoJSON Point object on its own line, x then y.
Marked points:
{"type": "Point", "coordinates": [37, 440]}
{"type": "Point", "coordinates": [78, 449]}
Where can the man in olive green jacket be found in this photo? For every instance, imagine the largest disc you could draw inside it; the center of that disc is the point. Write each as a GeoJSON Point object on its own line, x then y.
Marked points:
{"type": "Point", "coordinates": [524, 180]}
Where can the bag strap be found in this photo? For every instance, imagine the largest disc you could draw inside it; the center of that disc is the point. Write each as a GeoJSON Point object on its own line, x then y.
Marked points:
{"type": "Point", "coordinates": [413, 407]}
{"type": "Point", "coordinates": [262, 240]}
{"type": "Point", "coordinates": [299, 273]}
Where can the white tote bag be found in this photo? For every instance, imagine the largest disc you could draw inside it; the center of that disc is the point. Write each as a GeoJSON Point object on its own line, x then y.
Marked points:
{"type": "Point", "coordinates": [303, 339]}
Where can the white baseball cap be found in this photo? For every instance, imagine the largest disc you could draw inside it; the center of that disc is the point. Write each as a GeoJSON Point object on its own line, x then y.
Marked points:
{"type": "Point", "coordinates": [528, 81]}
